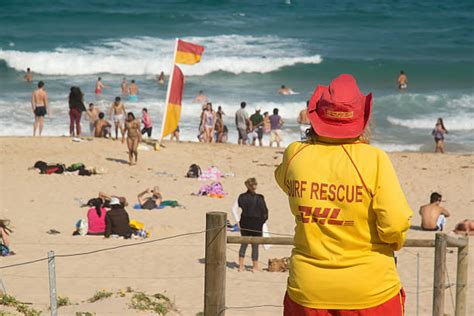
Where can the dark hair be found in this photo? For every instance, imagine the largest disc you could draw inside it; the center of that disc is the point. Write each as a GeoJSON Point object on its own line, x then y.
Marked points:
{"type": "Point", "coordinates": [145, 110]}
{"type": "Point", "coordinates": [265, 113]}
{"type": "Point", "coordinates": [133, 81]}
{"type": "Point", "coordinates": [131, 114]}
{"type": "Point", "coordinates": [97, 203]}
{"type": "Point", "coordinates": [210, 105]}
{"type": "Point", "coordinates": [307, 103]}
{"type": "Point", "coordinates": [275, 111]}
{"type": "Point", "coordinates": [91, 104]}
{"type": "Point", "coordinates": [76, 95]}
{"type": "Point", "coordinates": [440, 121]}
{"type": "Point", "coordinates": [101, 115]}
{"type": "Point", "coordinates": [40, 84]}
{"type": "Point", "coordinates": [28, 69]}
{"type": "Point", "coordinates": [283, 86]}
{"type": "Point", "coordinates": [99, 78]}
{"type": "Point", "coordinates": [435, 197]}
{"type": "Point", "coordinates": [402, 72]}
{"type": "Point", "coordinates": [117, 99]}
{"type": "Point", "coordinates": [243, 105]}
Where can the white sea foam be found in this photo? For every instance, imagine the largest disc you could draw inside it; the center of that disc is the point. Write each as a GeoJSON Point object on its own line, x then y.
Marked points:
{"type": "Point", "coordinates": [149, 55]}
{"type": "Point", "coordinates": [398, 147]}
{"type": "Point", "coordinates": [455, 122]}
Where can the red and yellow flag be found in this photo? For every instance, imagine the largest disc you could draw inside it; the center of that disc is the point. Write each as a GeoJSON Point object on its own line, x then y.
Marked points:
{"type": "Point", "coordinates": [173, 108]}
{"type": "Point", "coordinates": [188, 53]}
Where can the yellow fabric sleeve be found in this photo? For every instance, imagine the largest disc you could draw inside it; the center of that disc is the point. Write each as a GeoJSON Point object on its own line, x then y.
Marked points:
{"type": "Point", "coordinates": [390, 206]}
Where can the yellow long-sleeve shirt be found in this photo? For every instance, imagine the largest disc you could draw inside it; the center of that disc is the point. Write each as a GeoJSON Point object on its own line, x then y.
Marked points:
{"type": "Point", "coordinates": [350, 214]}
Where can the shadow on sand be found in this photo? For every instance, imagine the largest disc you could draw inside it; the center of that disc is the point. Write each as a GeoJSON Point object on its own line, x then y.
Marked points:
{"type": "Point", "coordinates": [122, 161]}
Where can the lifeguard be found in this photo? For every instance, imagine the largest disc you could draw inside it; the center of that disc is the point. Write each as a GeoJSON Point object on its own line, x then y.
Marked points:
{"type": "Point", "coordinates": [350, 212]}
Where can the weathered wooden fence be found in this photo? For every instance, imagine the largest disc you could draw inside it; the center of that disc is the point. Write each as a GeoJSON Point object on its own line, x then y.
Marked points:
{"type": "Point", "coordinates": [215, 264]}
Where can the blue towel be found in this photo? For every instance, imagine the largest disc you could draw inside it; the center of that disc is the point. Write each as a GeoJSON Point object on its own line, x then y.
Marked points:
{"type": "Point", "coordinates": [137, 206]}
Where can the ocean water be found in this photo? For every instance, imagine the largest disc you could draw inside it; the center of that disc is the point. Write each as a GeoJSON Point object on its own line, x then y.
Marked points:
{"type": "Point", "coordinates": [252, 47]}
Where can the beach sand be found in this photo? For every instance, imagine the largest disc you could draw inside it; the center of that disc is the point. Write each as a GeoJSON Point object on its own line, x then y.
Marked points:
{"type": "Point", "coordinates": [37, 203]}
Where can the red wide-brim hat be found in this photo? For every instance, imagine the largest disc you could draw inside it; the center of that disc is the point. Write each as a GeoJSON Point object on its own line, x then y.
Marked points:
{"type": "Point", "coordinates": [339, 110]}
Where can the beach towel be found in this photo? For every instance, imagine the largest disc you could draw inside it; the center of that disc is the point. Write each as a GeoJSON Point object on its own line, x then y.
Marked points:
{"type": "Point", "coordinates": [170, 203]}
{"type": "Point", "coordinates": [212, 173]}
{"type": "Point", "coordinates": [214, 189]}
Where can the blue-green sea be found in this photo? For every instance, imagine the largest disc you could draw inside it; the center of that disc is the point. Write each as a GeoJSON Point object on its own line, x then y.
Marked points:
{"type": "Point", "coordinates": [251, 48]}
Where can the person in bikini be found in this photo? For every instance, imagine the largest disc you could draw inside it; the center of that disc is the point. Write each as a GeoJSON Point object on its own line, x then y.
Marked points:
{"type": "Point", "coordinates": [438, 134]}
{"type": "Point", "coordinates": [208, 122]}
{"type": "Point", "coordinates": [39, 105]}
{"type": "Point", "coordinates": [433, 216]}
{"type": "Point", "coordinates": [134, 137]}
{"type": "Point", "coordinates": [117, 115]}
{"type": "Point", "coordinates": [150, 202]}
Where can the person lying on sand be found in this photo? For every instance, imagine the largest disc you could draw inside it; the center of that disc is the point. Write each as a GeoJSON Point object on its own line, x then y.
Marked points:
{"type": "Point", "coordinates": [466, 227]}
{"type": "Point", "coordinates": [433, 216]}
{"type": "Point", "coordinates": [106, 198]}
{"type": "Point", "coordinates": [151, 202]}
{"type": "Point", "coordinates": [117, 221]}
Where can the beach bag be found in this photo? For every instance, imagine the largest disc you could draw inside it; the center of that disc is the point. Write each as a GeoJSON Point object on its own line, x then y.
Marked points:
{"type": "Point", "coordinates": [194, 171]}
{"type": "Point", "coordinates": [4, 250]}
{"type": "Point", "coordinates": [82, 227]}
{"type": "Point", "coordinates": [279, 265]}
{"type": "Point", "coordinates": [136, 225]}
{"type": "Point", "coordinates": [75, 167]}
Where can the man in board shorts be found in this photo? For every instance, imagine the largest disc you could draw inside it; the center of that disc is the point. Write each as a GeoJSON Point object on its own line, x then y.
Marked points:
{"type": "Point", "coordinates": [350, 212]}
{"type": "Point", "coordinates": [39, 105]}
{"type": "Point", "coordinates": [242, 123]}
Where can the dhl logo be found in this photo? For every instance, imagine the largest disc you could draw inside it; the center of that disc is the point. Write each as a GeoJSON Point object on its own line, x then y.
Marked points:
{"type": "Point", "coordinates": [321, 216]}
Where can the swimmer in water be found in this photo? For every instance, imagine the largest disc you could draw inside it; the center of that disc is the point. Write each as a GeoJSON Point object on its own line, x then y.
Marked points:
{"type": "Point", "coordinates": [124, 87]}
{"type": "Point", "coordinates": [402, 81]}
{"type": "Point", "coordinates": [201, 98]}
{"type": "Point", "coordinates": [99, 86]}
{"type": "Point", "coordinates": [161, 79]}
{"type": "Point", "coordinates": [285, 90]}
{"type": "Point", "coordinates": [133, 92]}
{"type": "Point", "coordinates": [28, 76]}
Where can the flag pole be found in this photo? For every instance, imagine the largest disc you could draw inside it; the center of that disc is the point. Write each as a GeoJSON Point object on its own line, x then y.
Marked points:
{"type": "Point", "coordinates": [170, 82]}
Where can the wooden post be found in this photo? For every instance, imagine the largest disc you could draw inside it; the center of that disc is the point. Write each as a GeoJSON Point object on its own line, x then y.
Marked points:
{"type": "Point", "coordinates": [439, 274]}
{"type": "Point", "coordinates": [215, 264]}
{"type": "Point", "coordinates": [461, 280]}
{"type": "Point", "coordinates": [52, 284]}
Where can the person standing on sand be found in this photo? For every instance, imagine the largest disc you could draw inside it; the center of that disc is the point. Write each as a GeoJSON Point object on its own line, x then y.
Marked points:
{"type": "Point", "coordinates": [147, 124]}
{"type": "Point", "coordinates": [134, 137]}
{"type": "Point", "coordinates": [117, 115]}
{"type": "Point", "coordinates": [92, 116]}
{"type": "Point", "coordinates": [133, 92]}
{"type": "Point", "coordinates": [28, 76]}
{"type": "Point", "coordinates": [402, 81]}
{"type": "Point", "coordinates": [76, 107]}
{"type": "Point", "coordinates": [304, 122]}
{"type": "Point", "coordinates": [254, 215]}
{"type": "Point", "coordinates": [99, 87]}
{"type": "Point", "coordinates": [208, 122]}
{"type": "Point", "coordinates": [257, 126]}
{"type": "Point", "coordinates": [242, 123]}
{"type": "Point", "coordinates": [438, 134]}
{"type": "Point", "coordinates": [350, 212]}
{"type": "Point", "coordinates": [40, 107]}
{"type": "Point", "coordinates": [124, 87]}
{"type": "Point", "coordinates": [433, 216]}
{"type": "Point", "coordinates": [276, 124]}
{"type": "Point", "coordinates": [219, 127]}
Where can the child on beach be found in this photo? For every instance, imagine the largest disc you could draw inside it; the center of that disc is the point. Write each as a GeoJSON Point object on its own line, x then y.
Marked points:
{"type": "Point", "coordinates": [438, 134]}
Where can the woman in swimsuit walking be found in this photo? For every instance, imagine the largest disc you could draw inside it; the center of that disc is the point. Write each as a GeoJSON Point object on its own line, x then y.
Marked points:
{"type": "Point", "coordinates": [134, 137]}
{"type": "Point", "coordinates": [208, 121]}
{"type": "Point", "coordinates": [438, 134]}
